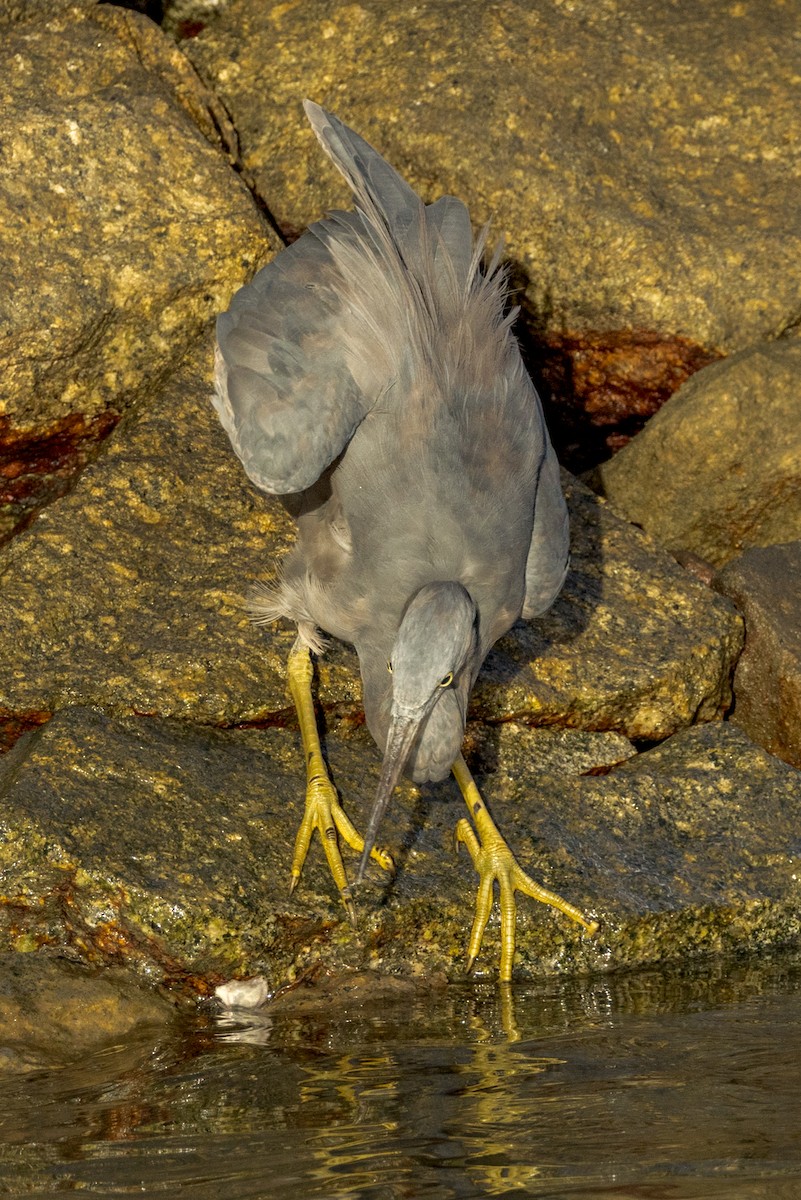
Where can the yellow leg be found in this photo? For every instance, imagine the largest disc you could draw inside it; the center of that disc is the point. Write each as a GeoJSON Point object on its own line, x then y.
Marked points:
{"type": "Point", "coordinates": [493, 860]}
{"type": "Point", "coordinates": [323, 810]}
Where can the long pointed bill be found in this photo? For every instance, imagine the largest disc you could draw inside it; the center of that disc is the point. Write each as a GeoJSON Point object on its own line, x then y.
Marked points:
{"type": "Point", "coordinates": [400, 738]}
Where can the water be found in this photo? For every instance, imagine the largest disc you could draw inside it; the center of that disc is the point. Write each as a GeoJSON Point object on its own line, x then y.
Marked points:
{"type": "Point", "coordinates": [657, 1086]}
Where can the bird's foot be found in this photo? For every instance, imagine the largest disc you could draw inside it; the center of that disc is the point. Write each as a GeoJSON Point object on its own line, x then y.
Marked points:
{"type": "Point", "coordinates": [325, 814]}
{"type": "Point", "coordinates": [493, 860]}
{"type": "Point", "coordinates": [323, 810]}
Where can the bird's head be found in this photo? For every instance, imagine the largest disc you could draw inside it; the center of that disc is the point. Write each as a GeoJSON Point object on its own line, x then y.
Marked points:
{"type": "Point", "coordinates": [430, 673]}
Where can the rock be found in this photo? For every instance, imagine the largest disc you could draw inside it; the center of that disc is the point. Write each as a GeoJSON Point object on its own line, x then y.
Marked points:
{"type": "Point", "coordinates": [641, 171]}
{"type": "Point", "coordinates": [599, 389]}
{"type": "Point", "coordinates": [144, 843]}
{"type": "Point", "coordinates": [718, 469]}
{"type": "Point", "coordinates": [53, 1011]}
{"type": "Point", "coordinates": [186, 18]}
{"type": "Point", "coordinates": [321, 992]}
{"type": "Point", "coordinates": [633, 643]}
{"type": "Point", "coordinates": [708, 821]}
{"type": "Point", "coordinates": [167, 848]}
{"type": "Point", "coordinates": [547, 751]}
{"type": "Point", "coordinates": [765, 584]}
{"type": "Point", "coordinates": [16, 11]}
{"type": "Point", "coordinates": [122, 230]}
{"type": "Point", "coordinates": [130, 594]}
{"type": "Point", "coordinates": [699, 567]}
{"type": "Point", "coordinates": [132, 831]}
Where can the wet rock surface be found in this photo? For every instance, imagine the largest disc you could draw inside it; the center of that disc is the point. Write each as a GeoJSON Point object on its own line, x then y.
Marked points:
{"type": "Point", "coordinates": [165, 847]}
{"type": "Point", "coordinates": [148, 814]}
{"type": "Point", "coordinates": [718, 469]}
{"type": "Point", "coordinates": [123, 229]}
{"type": "Point", "coordinates": [765, 584]}
{"type": "Point", "coordinates": [53, 1011]}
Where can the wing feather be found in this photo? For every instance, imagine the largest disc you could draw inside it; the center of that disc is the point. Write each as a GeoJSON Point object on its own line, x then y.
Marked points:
{"type": "Point", "coordinates": [361, 300]}
{"type": "Point", "coordinates": [549, 553]}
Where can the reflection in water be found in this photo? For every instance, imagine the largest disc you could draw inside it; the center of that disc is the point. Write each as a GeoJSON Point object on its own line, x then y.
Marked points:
{"type": "Point", "coordinates": [658, 1085]}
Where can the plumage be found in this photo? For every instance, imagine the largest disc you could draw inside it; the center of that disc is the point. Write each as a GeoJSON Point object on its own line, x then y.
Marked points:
{"type": "Point", "coordinates": [370, 371]}
{"type": "Point", "coordinates": [378, 334]}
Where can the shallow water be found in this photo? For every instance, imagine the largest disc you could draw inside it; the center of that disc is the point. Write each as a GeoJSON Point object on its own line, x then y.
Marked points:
{"type": "Point", "coordinates": [659, 1086]}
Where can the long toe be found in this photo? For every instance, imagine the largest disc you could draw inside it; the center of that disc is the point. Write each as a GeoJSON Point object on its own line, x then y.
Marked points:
{"type": "Point", "coordinates": [495, 862]}
{"type": "Point", "coordinates": [326, 815]}
{"type": "Point", "coordinates": [323, 811]}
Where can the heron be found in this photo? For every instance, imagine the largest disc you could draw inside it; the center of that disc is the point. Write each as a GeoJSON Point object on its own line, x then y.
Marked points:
{"type": "Point", "coordinates": [369, 376]}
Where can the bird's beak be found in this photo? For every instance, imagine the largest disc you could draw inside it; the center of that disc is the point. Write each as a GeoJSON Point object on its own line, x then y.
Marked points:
{"type": "Point", "coordinates": [402, 732]}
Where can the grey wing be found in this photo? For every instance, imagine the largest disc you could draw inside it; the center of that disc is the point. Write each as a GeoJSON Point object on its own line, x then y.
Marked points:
{"type": "Point", "coordinates": [434, 247]}
{"type": "Point", "coordinates": [284, 392]}
{"type": "Point", "coordinates": [309, 345]}
{"type": "Point", "coordinates": [549, 552]}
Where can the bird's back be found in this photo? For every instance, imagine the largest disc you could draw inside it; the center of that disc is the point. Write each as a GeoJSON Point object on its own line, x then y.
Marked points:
{"type": "Point", "coordinates": [371, 370]}
{"type": "Point", "coordinates": [346, 315]}
{"type": "Point", "coordinates": [438, 483]}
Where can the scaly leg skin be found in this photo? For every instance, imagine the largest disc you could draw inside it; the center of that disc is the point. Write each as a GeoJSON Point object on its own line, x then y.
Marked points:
{"type": "Point", "coordinates": [493, 860]}
{"type": "Point", "coordinates": [323, 810]}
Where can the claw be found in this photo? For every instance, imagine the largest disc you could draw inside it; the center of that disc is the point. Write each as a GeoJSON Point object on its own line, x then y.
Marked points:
{"type": "Point", "coordinates": [493, 860]}
{"type": "Point", "coordinates": [325, 814]}
{"type": "Point", "coordinates": [350, 909]}
{"type": "Point", "coordinates": [323, 811]}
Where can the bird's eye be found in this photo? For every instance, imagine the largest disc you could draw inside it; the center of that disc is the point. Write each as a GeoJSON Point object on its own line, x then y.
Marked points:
{"type": "Point", "coordinates": [447, 681]}
{"type": "Point", "coordinates": [389, 666]}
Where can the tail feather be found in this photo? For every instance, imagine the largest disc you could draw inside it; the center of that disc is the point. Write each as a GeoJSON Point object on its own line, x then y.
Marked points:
{"type": "Point", "coordinates": [425, 257]}
{"type": "Point", "coordinates": [380, 191]}
{"type": "Point", "coordinates": [449, 221]}
{"type": "Point", "coordinates": [394, 213]}
{"type": "Point", "coordinates": [393, 293]}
